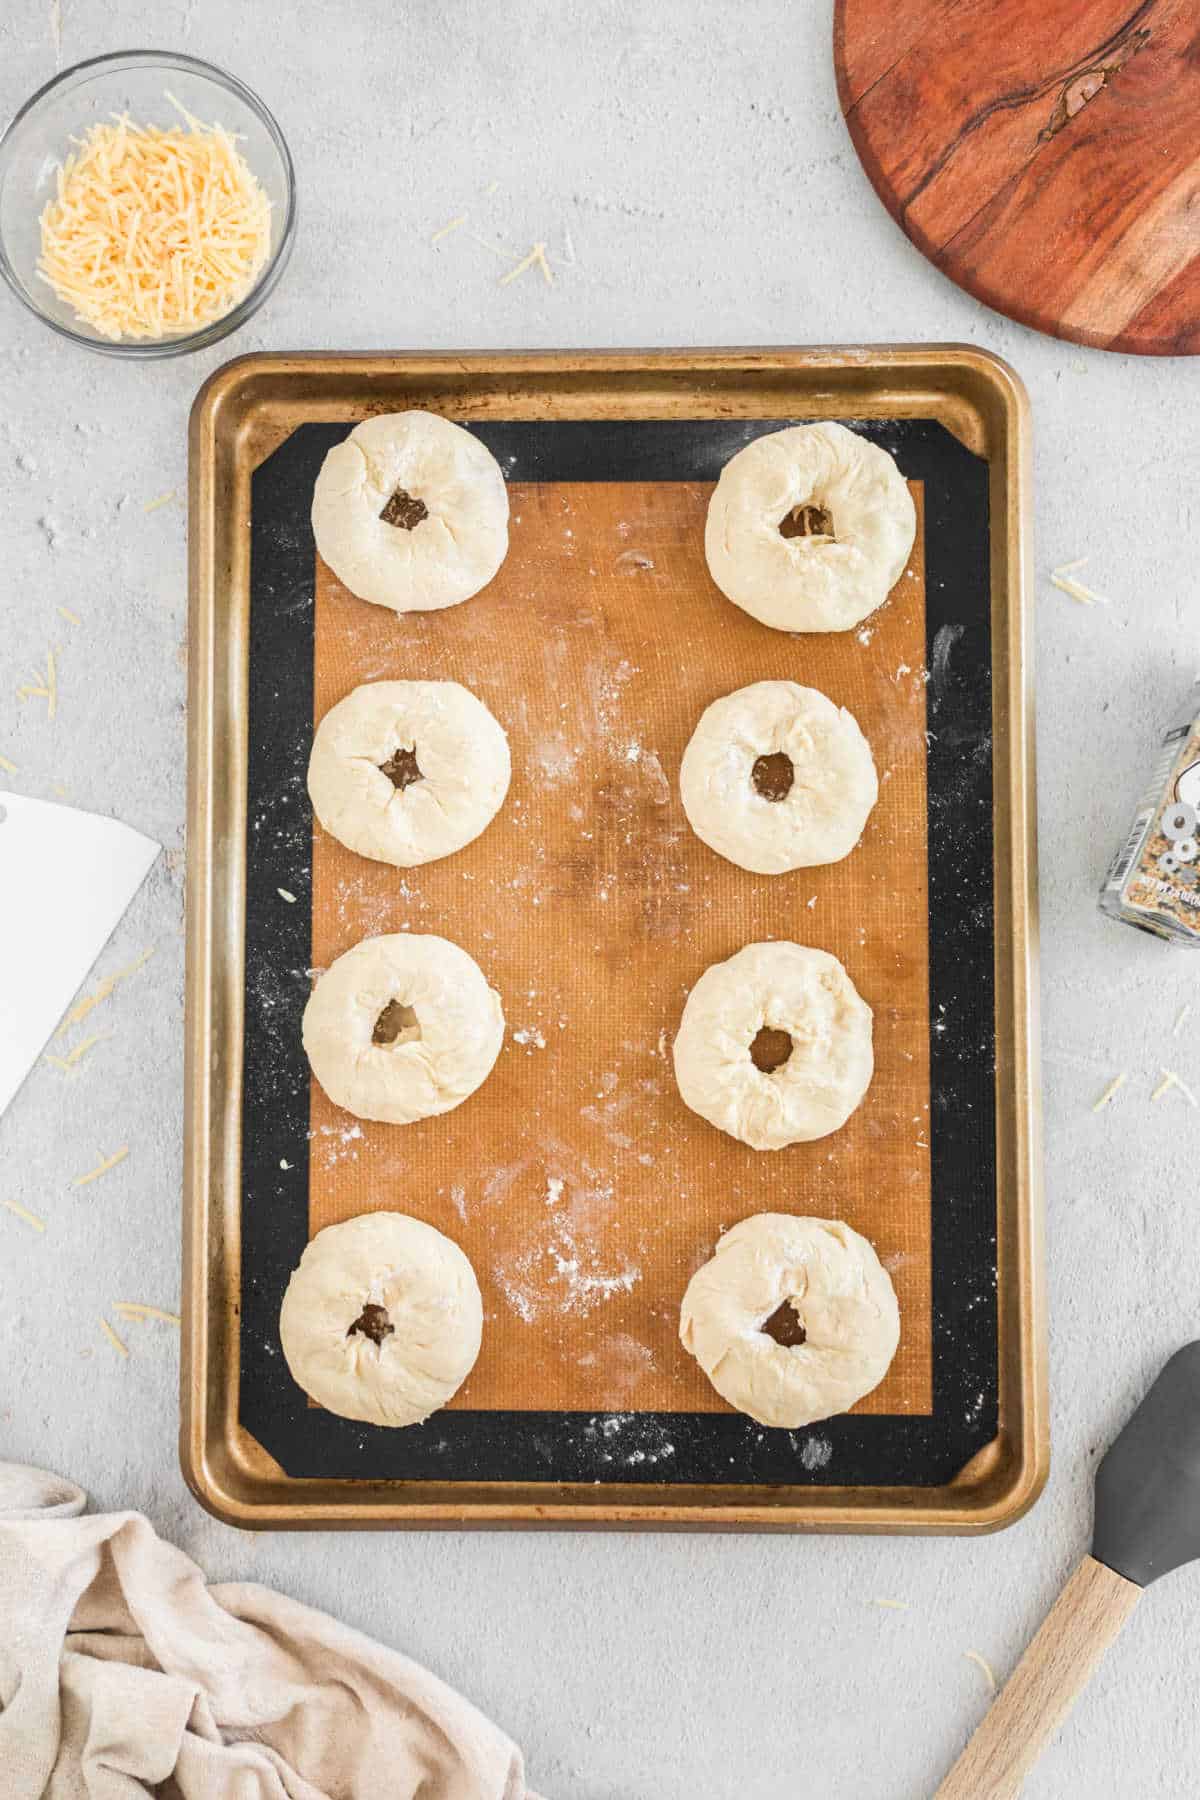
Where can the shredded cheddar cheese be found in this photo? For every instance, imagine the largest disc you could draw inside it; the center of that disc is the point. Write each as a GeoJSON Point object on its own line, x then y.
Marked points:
{"type": "Point", "coordinates": [1171, 1080]}
{"type": "Point", "coordinates": [43, 687]}
{"type": "Point", "coordinates": [154, 232]}
{"type": "Point", "coordinates": [981, 1662]}
{"type": "Point", "coordinates": [23, 1212]}
{"type": "Point", "coordinates": [110, 1162]}
{"type": "Point", "coordinates": [83, 1007]}
{"type": "Point", "coordinates": [535, 259]}
{"type": "Point", "coordinates": [1063, 578]}
{"type": "Point", "coordinates": [1111, 1091]}
{"type": "Point", "coordinates": [112, 1337]}
{"type": "Point", "coordinates": [72, 1057]}
{"type": "Point", "coordinates": [135, 1309]}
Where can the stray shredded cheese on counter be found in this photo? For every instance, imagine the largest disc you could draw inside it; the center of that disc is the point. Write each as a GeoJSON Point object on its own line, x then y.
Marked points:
{"type": "Point", "coordinates": [69, 616]}
{"type": "Point", "coordinates": [1114, 1087]}
{"type": "Point", "coordinates": [135, 1309]}
{"type": "Point", "coordinates": [982, 1663]}
{"type": "Point", "coordinates": [893, 1605]}
{"type": "Point", "coordinates": [1181, 1021]}
{"type": "Point", "coordinates": [10, 768]}
{"type": "Point", "coordinates": [154, 232]}
{"type": "Point", "coordinates": [23, 1213]}
{"type": "Point", "coordinates": [160, 500]}
{"type": "Point", "coordinates": [445, 231]}
{"type": "Point", "coordinates": [1171, 1080]}
{"type": "Point", "coordinates": [112, 1337]}
{"type": "Point", "coordinates": [43, 687]}
{"type": "Point", "coordinates": [81, 1049]}
{"type": "Point", "coordinates": [1063, 578]}
{"type": "Point", "coordinates": [83, 1007]}
{"type": "Point", "coordinates": [110, 1162]}
{"type": "Point", "coordinates": [537, 256]}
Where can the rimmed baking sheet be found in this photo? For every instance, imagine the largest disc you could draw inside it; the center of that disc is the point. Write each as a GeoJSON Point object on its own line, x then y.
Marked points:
{"type": "Point", "coordinates": [581, 1187]}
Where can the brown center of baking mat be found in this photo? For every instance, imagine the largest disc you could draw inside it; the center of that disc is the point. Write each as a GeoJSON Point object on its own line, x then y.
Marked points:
{"type": "Point", "coordinates": [583, 1190]}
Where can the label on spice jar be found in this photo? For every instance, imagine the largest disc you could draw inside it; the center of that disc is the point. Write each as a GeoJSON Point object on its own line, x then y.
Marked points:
{"type": "Point", "coordinates": [1154, 881]}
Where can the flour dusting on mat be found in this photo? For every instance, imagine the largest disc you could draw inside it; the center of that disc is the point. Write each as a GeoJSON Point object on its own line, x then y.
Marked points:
{"type": "Point", "coordinates": [655, 778]}
{"type": "Point", "coordinates": [563, 1272]}
{"type": "Point", "coordinates": [554, 758]}
{"type": "Point", "coordinates": [334, 1143]}
{"type": "Point", "coordinates": [606, 687]}
{"type": "Point", "coordinates": [629, 1360]}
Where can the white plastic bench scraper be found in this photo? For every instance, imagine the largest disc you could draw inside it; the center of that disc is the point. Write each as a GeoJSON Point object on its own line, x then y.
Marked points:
{"type": "Point", "coordinates": [65, 879]}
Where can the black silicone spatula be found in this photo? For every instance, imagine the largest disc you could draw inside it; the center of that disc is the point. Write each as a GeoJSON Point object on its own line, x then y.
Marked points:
{"type": "Point", "coordinates": [1147, 1523]}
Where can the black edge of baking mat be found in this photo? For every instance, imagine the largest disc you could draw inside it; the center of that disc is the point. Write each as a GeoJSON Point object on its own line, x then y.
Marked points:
{"type": "Point", "coordinates": [853, 1450]}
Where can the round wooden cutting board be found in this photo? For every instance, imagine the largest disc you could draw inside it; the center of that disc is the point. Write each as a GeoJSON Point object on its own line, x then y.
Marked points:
{"type": "Point", "coordinates": [1045, 154]}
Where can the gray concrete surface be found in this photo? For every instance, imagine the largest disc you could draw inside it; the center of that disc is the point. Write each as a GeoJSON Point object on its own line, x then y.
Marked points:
{"type": "Point", "coordinates": [696, 156]}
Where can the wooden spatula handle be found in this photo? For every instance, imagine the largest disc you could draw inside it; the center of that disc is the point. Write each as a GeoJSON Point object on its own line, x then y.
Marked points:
{"type": "Point", "coordinates": [1042, 1688]}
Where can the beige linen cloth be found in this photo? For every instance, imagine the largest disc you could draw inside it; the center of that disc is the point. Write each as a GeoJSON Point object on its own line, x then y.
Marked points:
{"type": "Point", "coordinates": [122, 1673]}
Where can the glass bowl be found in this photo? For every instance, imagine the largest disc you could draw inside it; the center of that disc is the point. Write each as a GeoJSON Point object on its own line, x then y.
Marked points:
{"type": "Point", "coordinates": [38, 138]}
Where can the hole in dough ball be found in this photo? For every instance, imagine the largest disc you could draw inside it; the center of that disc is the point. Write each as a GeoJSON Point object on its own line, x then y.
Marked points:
{"type": "Point", "coordinates": [784, 1326]}
{"type": "Point", "coordinates": [396, 1024]}
{"type": "Point", "coordinates": [806, 521]}
{"type": "Point", "coordinates": [772, 776]}
{"type": "Point", "coordinates": [374, 1323]}
{"type": "Point", "coordinates": [770, 1050]}
{"type": "Point", "coordinates": [402, 769]}
{"type": "Point", "coordinates": [404, 511]}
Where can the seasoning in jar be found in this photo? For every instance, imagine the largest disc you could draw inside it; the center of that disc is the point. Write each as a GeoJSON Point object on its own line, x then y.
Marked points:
{"type": "Point", "coordinates": [1154, 881]}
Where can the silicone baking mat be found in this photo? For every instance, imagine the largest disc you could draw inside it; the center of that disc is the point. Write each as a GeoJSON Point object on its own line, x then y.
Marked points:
{"type": "Point", "coordinates": [583, 1190]}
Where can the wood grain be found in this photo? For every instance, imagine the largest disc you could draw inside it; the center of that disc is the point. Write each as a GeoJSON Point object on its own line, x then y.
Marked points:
{"type": "Point", "coordinates": [1053, 1672]}
{"type": "Point", "coordinates": [581, 1187]}
{"type": "Point", "coordinates": [1042, 153]}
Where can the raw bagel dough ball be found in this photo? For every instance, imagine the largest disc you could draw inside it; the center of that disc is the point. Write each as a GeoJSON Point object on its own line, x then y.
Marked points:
{"type": "Point", "coordinates": [787, 991]}
{"type": "Point", "coordinates": [843, 1300]}
{"type": "Point", "coordinates": [407, 771]}
{"type": "Point", "coordinates": [809, 583]}
{"type": "Point", "coordinates": [382, 1319]}
{"type": "Point", "coordinates": [445, 491]}
{"type": "Point", "coordinates": [429, 1000]}
{"type": "Point", "coordinates": [819, 774]}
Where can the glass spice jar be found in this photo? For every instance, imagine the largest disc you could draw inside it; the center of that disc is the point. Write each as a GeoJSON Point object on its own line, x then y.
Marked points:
{"type": "Point", "coordinates": [1154, 880]}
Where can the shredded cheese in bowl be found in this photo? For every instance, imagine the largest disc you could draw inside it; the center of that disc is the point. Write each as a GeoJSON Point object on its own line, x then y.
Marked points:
{"type": "Point", "coordinates": [154, 233]}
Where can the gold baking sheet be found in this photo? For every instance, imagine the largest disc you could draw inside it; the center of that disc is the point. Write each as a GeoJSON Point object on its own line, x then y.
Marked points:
{"type": "Point", "coordinates": [243, 413]}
